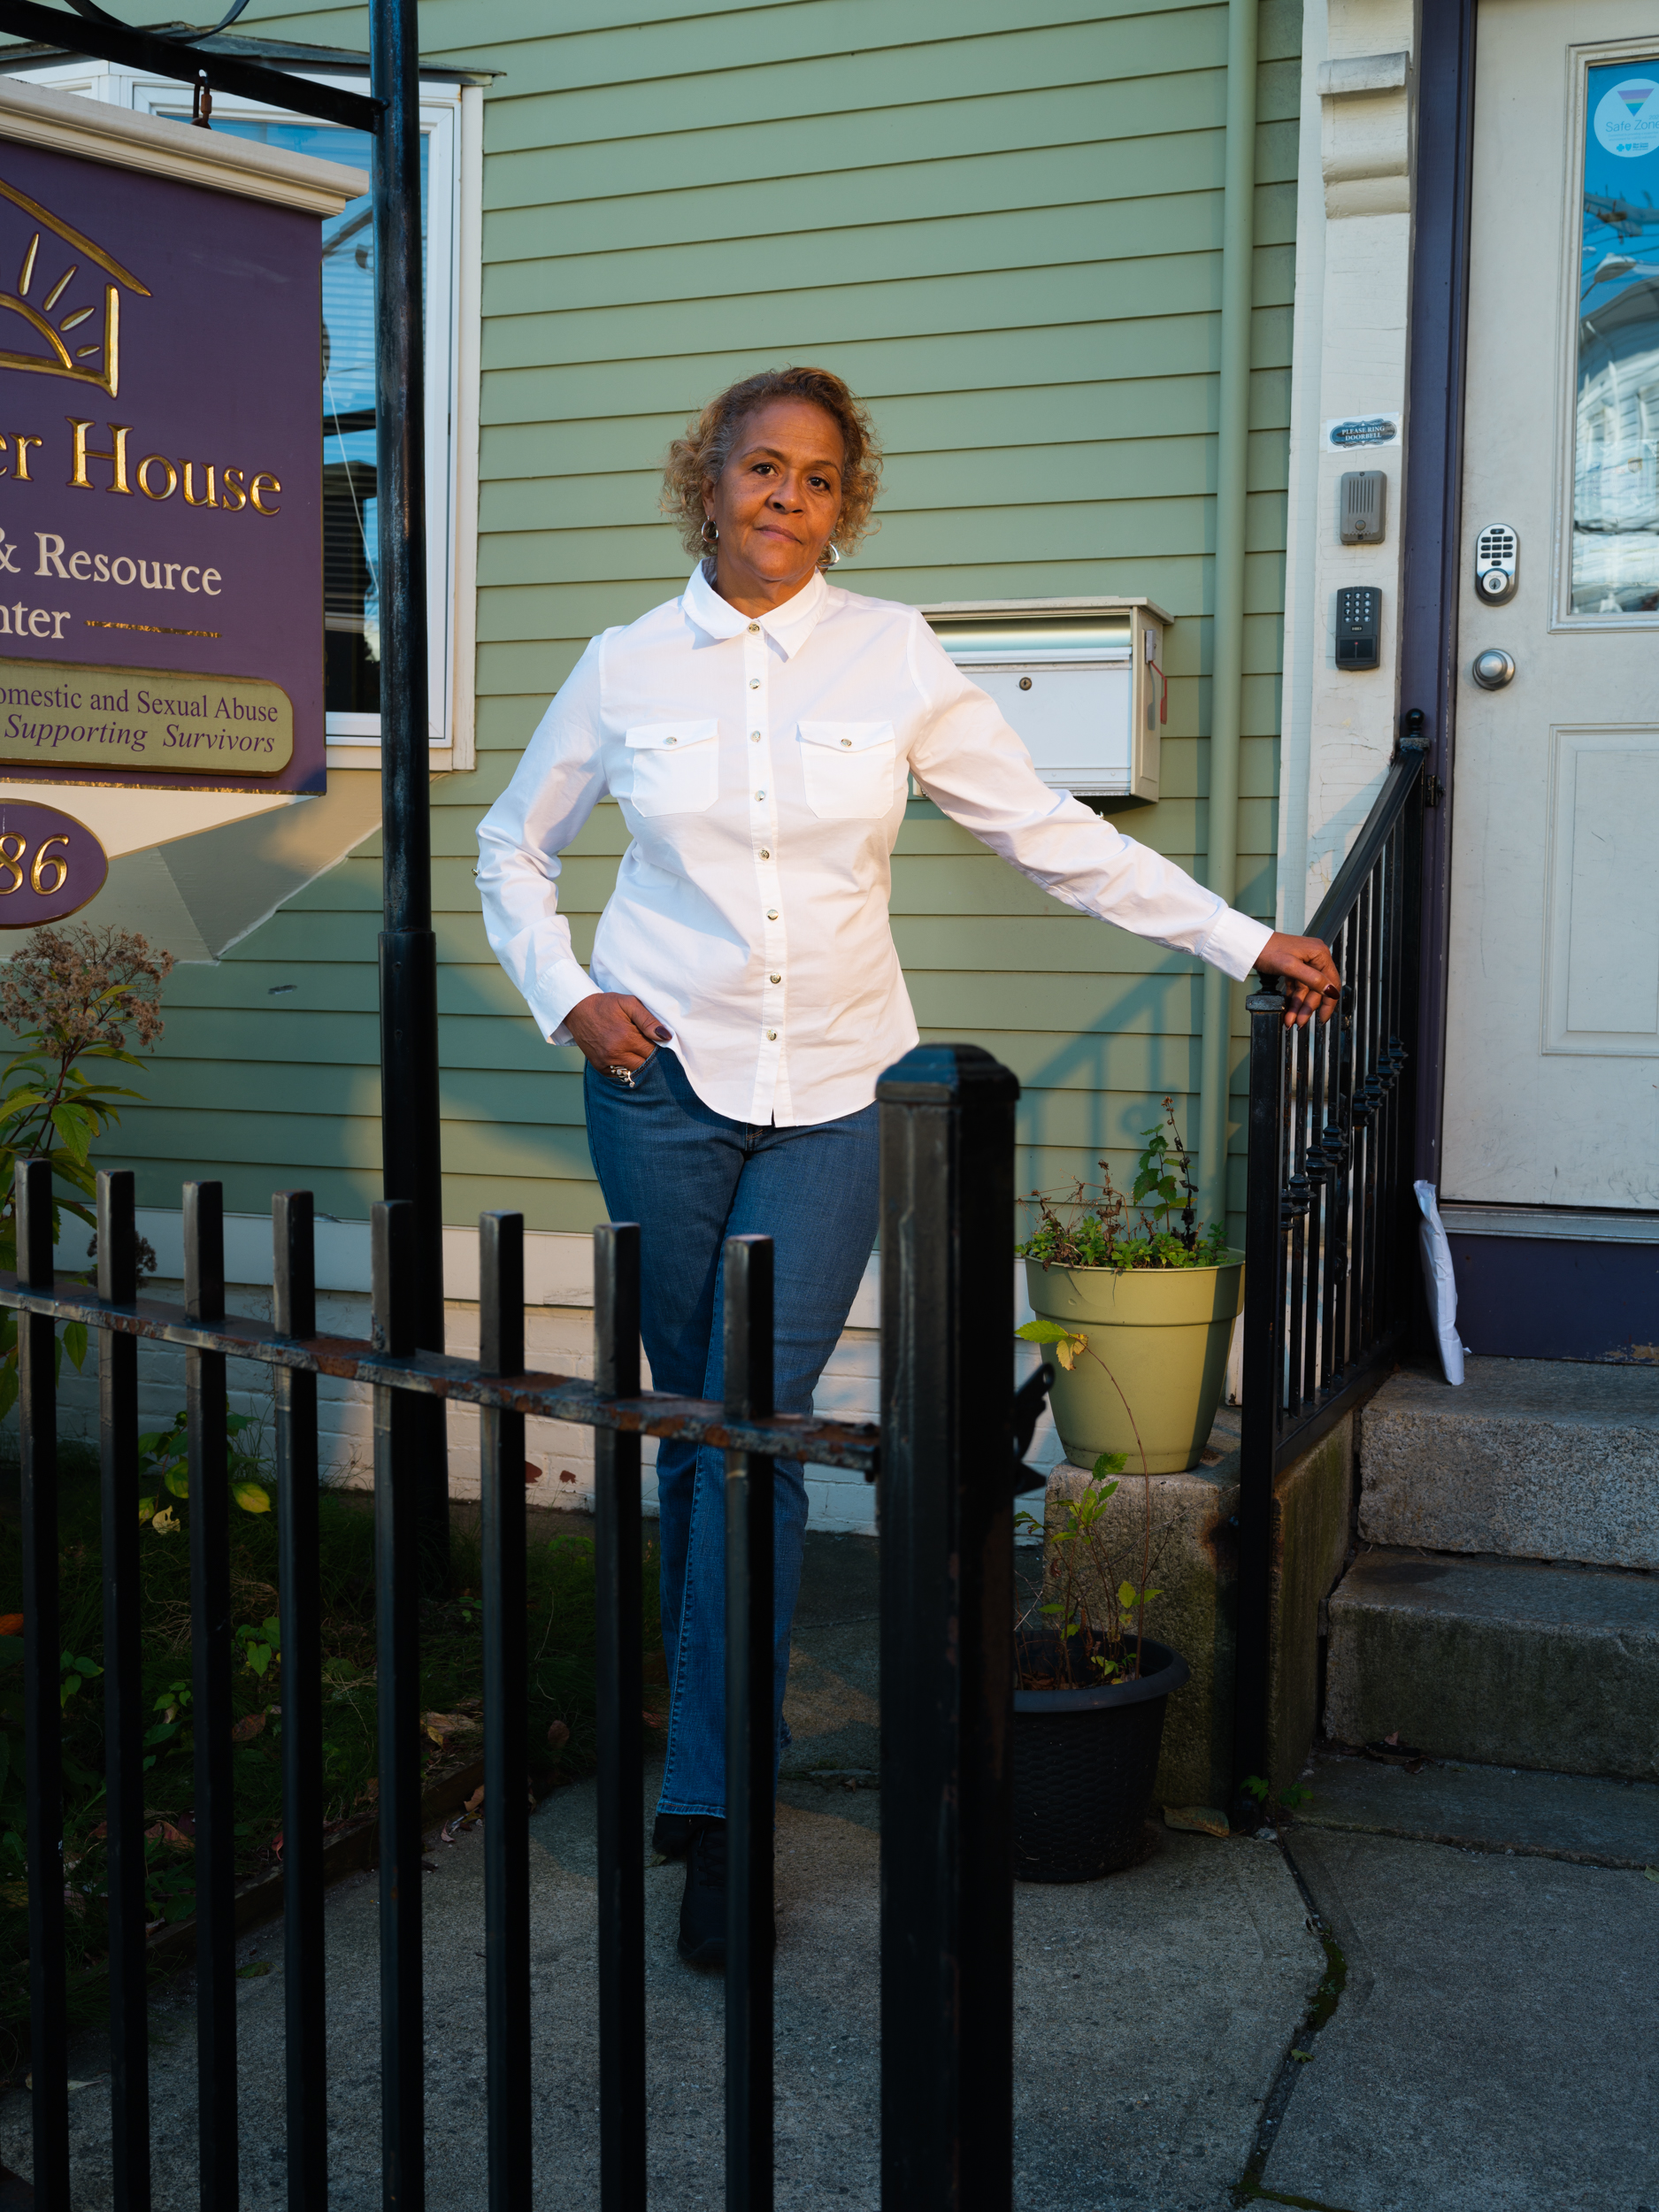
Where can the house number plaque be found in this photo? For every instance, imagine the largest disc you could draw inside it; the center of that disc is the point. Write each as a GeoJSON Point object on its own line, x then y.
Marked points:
{"type": "Point", "coordinates": [51, 864]}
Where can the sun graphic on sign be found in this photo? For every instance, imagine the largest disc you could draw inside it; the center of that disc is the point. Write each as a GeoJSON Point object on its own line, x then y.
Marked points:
{"type": "Point", "coordinates": [101, 359]}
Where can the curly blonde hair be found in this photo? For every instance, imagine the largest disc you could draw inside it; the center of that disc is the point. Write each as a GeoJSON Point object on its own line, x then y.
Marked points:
{"type": "Point", "coordinates": [709, 437]}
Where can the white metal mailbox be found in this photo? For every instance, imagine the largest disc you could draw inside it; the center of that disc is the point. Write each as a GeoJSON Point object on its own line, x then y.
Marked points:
{"type": "Point", "coordinates": [1081, 680]}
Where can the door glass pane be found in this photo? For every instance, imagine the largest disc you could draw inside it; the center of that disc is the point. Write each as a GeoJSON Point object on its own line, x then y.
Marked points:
{"type": "Point", "coordinates": [1616, 459]}
{"type": "Point", "coordinates": [351, 607]}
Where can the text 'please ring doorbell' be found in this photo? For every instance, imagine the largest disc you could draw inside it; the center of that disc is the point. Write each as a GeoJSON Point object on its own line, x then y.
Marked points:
{"type": "Point", "coordinates": [1497, 557]}
{"type": "Point", "coordinates": [1358, 626]}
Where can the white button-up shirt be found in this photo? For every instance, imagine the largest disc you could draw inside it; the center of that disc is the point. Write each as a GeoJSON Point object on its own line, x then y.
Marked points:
{"type": "Point", "coordinates": [762, 768]}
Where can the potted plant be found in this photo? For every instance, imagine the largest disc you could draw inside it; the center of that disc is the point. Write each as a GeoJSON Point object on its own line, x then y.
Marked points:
{"type": "Point", "coordinates": [1140, 1313]}
{"type": "Point", "coordinates": [1089, 1700]}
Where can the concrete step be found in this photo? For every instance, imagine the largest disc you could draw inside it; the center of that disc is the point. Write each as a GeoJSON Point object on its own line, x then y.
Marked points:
{"type": "Point", "coordinates": [1580, 1817]}
{"type": "Point", "coordinates": [1502, 1661]}
{"type": "Point", "coordinates": [1531, 1458]}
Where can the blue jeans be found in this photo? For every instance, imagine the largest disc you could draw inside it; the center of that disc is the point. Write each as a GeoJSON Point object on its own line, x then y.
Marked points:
{"type": "Point", "coordinates": [691, 1177]}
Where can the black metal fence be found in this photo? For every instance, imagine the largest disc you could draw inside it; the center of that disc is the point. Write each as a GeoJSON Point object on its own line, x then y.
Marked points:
{"type": "Point", "coordinates": [944, 1454]}
{"type": "Point", "coordinates": [1328, 1240]}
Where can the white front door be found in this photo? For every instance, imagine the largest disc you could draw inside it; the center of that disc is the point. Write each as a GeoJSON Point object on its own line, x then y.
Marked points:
{"type": "Point", "coordinates": [1552, 1084]}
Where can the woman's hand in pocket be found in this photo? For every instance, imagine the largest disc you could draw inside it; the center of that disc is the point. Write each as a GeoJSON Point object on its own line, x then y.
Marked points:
{"type": "Point", "coordinates": [615, 1030]}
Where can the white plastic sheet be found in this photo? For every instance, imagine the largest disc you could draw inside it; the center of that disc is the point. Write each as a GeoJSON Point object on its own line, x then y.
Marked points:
{"type": "Point", "coordinates": [1439, 1283]}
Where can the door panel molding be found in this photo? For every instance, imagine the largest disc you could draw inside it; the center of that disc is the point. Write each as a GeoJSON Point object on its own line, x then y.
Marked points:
{"type": "Point", "coordinates": [1601, 913]}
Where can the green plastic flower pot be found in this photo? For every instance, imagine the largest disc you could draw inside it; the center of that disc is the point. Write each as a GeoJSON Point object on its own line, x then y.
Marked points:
{"type": "Point", "coordinates": [1157, 1338]}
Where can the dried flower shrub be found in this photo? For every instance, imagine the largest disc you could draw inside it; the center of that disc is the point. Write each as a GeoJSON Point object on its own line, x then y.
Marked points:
{"type": "Point", "coordinates": [1092, 1228]}
{"type": "Point", "coordinates": [69, 996]}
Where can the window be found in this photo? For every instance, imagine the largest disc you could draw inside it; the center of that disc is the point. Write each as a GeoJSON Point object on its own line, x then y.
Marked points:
{"type": "Point", "coordinates": [450, 160]}
{"type": "Point", "coordinates": [1615, 458]}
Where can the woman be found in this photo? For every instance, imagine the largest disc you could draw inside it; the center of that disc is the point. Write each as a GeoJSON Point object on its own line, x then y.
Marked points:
{"type": "Point", "coordinates": [758, 733]}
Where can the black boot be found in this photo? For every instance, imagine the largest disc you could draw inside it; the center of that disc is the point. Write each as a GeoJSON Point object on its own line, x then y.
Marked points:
{"type": "Point", "coordinates": [671, 1835]}
{"type": "Point", "coordinates": [702, 1907]}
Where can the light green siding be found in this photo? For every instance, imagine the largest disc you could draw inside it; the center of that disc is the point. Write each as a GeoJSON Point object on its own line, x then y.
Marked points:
{"type": "Point", "coordinates": [1002, 225]}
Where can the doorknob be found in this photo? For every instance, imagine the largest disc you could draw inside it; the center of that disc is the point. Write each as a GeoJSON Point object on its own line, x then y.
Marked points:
{"type": "Point", "coordinates": [1492, 669]}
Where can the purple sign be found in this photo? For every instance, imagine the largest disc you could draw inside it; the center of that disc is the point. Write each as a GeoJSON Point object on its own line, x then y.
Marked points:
{"type": "Point", "coordinates": [160, 482]}
{"type": "Point", "coordinates": [50, 864]}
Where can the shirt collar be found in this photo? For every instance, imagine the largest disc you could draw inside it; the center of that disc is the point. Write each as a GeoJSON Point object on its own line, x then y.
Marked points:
{"type": "Point", "coordinates": [788, 626]}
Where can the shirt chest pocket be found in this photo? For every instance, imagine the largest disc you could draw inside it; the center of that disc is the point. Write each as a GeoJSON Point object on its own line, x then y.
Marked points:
{"type": "Point", "coordinates": [676, 766]}
{"type": "Point", "coordinates": [848, 767]}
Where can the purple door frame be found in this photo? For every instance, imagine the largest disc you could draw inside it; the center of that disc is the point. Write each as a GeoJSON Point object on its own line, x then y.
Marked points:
{"type": "Point", "coordinates": [1433, 498]}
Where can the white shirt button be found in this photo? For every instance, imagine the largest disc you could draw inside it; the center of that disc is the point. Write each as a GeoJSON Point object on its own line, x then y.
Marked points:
{"type": "Point", "coordinates": [671, 740]}
{"type": "Point", "coordinates": [753, 629]}
{"type": "Point", "coordinates": [777, 978]}
{"type": "Point", "coordinates": [760, 795]}
{"type": "Point", "coordinates": [771, 1036]}
{"type": "Point", "coordinates": [754, 737]}
{"type": "Point", "coordinates": [753, 683]}
{"type": "Point", "coordinates": [846, 741]}
{"type": "Point", "coordinates": [772, 913]}
{"type": "Point", "coordinates": [765, 852]}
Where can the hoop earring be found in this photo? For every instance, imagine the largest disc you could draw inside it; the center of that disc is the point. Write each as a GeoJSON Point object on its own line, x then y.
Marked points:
{"type": "Point", "coordinates": [834, 552]}
{"type": "Point", "coordinates": [711, 536]}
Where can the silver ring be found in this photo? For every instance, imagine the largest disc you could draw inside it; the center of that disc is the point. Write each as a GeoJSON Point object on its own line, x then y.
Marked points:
{"type": "Point", "coordinates": [624, 1075]}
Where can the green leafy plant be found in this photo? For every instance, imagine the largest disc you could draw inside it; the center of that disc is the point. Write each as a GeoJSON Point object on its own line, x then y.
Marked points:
{"type": "Point", "coordinates": [70, 997]}
{"type": "Point", "coordinates": [76, 1673]}
{"type": "Point", "coordinates": [1094, 1636]}
{"type": "Point", "coordinates": [1092, 1228]}
{"type": "Point", "coordinates": [164, 1457]}
{"type": "Point", "coordinates": [1292, 1798]}
{"type": "Point", "coordinates": [260, 1645]}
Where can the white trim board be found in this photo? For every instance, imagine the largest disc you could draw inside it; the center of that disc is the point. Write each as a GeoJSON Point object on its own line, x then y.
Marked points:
{"type": "Point", "coordinates": [1550, 1221]}
{"type": "Point", "coordinates": [558, 1265]}
{"type": "Point", "coordinates": [69, 123]}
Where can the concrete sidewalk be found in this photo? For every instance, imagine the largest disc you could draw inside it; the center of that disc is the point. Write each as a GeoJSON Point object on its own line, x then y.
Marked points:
{"type": "Point", "coordinates": [1495, 2049]}
{"type": "Point", "coordinates": [1496, 2046]}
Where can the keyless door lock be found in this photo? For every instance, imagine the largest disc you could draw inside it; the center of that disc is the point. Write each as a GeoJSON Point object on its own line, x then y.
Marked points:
{"type": "Point", "coordinates": [1359, 626]}
{"type": "Point", "coordinates": [1497, 552]}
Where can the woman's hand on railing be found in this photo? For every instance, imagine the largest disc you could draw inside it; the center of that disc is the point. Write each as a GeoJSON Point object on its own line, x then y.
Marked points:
{"type": "Point", "coordinates": [1308, 974]}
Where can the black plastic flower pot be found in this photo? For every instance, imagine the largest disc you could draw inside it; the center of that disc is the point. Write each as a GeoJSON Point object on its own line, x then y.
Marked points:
{"type": "Point", "coordinates": [1084, 1762]}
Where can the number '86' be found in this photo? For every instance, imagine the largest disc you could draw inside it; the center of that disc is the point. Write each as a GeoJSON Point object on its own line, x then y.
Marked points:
{"type": "Point", "coordinates": [50, 872]}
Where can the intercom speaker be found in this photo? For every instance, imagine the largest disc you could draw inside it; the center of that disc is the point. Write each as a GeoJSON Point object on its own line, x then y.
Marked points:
{"type": "Point", "coordinates": [1363, 507]}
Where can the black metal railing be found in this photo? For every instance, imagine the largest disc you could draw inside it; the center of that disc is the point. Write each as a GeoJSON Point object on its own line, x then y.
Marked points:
{"type": "Point", "coordinates": [944, 1450]}
{"type": "Point", "coordinates": [1329, 1234]}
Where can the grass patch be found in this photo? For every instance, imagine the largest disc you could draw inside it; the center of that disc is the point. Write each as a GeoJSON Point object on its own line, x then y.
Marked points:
{"type": "Point", "coordinates": [560, 1743]}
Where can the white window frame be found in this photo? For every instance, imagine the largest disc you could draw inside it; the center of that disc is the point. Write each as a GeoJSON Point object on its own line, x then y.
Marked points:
{"type": "Point", "coordinates": [451, 118]}
{"type": "Point", "coordinates": [1581, 59]}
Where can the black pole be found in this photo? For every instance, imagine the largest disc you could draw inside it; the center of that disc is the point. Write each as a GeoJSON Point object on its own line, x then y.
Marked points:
{"type": "Point", "coordinates": [506, 1722]}
{"type": "Point", "coordinates": [750, 1732]}
{"type": "Point", "coordinates": [44, 1753]}
{"type": "Point", "coordinates": [411, 1162]}
{"type": "Point", "coordinates": [124, 1715]}
{"type": "Point", "coordinates": [947, 1632]}
{"type": "Point", "coordinates": [207, 1445]}
{"type": "Point", "coordinates": [1263, 1394]}
{"type": "Point", "coordinates": [299, 1604]}
{"type": "Point", "coordinates": [617, 1533]}
{"type": "Point", "coordinates": [397, 1699]}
